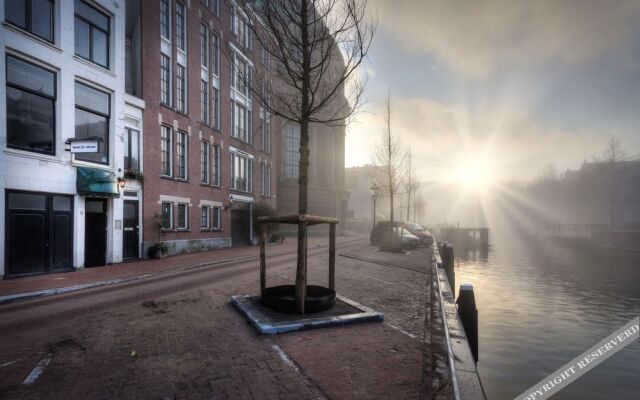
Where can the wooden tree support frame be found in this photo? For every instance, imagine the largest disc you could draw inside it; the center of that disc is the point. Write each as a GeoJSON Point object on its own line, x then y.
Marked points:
{"type": "Point", "coordinates": [303, 221]}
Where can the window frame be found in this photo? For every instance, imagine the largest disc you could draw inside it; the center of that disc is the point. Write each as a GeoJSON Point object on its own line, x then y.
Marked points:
{"type": "Point", "coordinates": [164, 57]}
{"type": "Point", "coordinates": [186, 217]}
{"type": "Point", "coordinates": [206, 218]}
{"type": "Point", "coordinates": [127, 164]}
{"type": "Point", "coordinates": [169, 152]}
{"type": "Point", "coordinates": [205, 162]}
{"type": "Point", "coordinates": [107, 141]}
{"type": "Point", "coordinates": [216, 215]}
{"type": "Point", "coordinates": [216, 165]}
{"type": "Point", "coordinates": [91, 27]}
{"type": "Point", "coordinates": [204, 45]}
{"type": "Point", "coordinates": [28, 20]}
{"type": "Point", "coordinates": [168, 20]}
{"type": "Point", "coordinates": [205, 112]}
{"type": "Point", "coordinates": [170, 225]}
{"type": "Point", "coordinates": [19, 87]}
{"type": "Point", "coordinates": [181, 31]}
{"type": "Point", "coordinates": [181, 88]}
{"type": "Point", "coordinates": [247, 168]}
{"type": "Point", "coordinates": [182, 145]}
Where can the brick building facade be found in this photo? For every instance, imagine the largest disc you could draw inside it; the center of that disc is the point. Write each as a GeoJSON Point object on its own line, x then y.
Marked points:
{"type": "Point", "coordinates": [208, 152]}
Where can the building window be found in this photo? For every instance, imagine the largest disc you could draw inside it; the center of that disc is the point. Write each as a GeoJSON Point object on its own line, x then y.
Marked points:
{"type": "Point", "coordinates": [204, 45]}
{"type": "Point", "coordinates": [91, 34]}
{"type": "Point", "coordinates": [241, 173]}
{"type": "Point", "coordinates": [215, 97]}
{"type": "Point", "coordinates": [213, 5]}
{"type": "Point", "coordinates": [204, 102]}
{"type": "Point", "coordinates": [183, 216]}
{"type": "Point", "coordinates": [33, 16]}
{"type": "Point", "coordinates": [215, 47]}
{"type": "Point", "coordinates": [181, 152]}
{"type": "Point", "coordinates": [266, 179]}
{"type": "Point", "coordinates": [165, 20]}
{"type": "Point", "coordinates": [132, 150]}
{"type": "Point", "coordinates": [165, 150]}
{"type": "Point", "coordinates": [31, 107]}
{"type": "Point", "coordinates": [165, 79]}
{"type": "Point", "coordinates": [181, 26]}
{"type": "Point", "coordinates": [92, 120]}
{"type": "Point", "coordinates": [181, 80]}
{"type": "Point", "coordinates": [240, 28]}
{"type": "Point", "coordinates": [166, 219]}
{"type": "Point", "coordinates": [240, 122]}
{"type": "Point", "coordinates": [215, 224]}
{"type": "Point", "coordinates": [291, 144]}
{"type": "Point", "coordinates": [216, 165]}
{"type": "Point", "coordinates": [205, 217]}
{"type": "Point", "coordinates": [266, 132]}
{"type": "Point", "coordinates": [204, 161]}
{"type": "Point", "coordinates": [241, 77]}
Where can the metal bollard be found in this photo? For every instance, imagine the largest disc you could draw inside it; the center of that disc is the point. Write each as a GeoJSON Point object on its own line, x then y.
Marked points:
{"type": "Point", "coordinates": [469, 315]}
{"type": "Point", "coordinates": [448, 262]}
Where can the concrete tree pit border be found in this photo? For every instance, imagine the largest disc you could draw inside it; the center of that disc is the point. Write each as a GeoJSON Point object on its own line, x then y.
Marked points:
{"type": "Point", "coordinates": [300, 297]}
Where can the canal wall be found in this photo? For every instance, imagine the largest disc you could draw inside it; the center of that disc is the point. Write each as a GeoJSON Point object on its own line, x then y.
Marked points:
{"type": "Point", "coordinates": [463, 369]}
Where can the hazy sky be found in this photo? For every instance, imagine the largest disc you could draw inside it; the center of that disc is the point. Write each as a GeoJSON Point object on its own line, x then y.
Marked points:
{"type": "Point", "coordinates": [513, 85]}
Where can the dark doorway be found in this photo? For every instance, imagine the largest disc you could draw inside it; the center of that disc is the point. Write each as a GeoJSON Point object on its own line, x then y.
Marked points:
{"type": "Point", "coordinates": [240, 224]}
{"type": "Point", "coordinates": [130, 230]}
{"type": "Point", "coordinates": [95, 231]}
{"type": "Point", "coordinates": [39, 233]}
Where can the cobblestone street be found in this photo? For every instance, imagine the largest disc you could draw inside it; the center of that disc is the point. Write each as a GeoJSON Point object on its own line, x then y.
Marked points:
{"type": "Point", "coordinates": [177, 337]}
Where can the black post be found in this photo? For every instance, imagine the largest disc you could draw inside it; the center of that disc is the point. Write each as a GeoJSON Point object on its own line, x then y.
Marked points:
{"type": "Point", "coordinates": [374, 211]}
{"type": "Point", "coordinates": [469, 315]}
{"type": "Point", "coordinates": [448, 262]}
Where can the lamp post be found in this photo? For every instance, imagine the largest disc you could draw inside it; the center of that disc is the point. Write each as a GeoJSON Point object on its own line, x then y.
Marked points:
{"type": "Point", "coordinates": [374, 195]}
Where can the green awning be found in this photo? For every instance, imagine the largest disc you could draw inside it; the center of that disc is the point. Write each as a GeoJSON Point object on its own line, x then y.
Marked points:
{"type": "Point", "coordinates": [96, 183]}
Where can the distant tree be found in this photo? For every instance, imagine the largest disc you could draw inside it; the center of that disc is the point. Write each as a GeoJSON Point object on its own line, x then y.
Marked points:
{"type": "Point", "coordinates": [606, 173]}
{"type": "Point", "coordinates": [388, 159]}
{"type": "Point", "coordinates": [410, 183]}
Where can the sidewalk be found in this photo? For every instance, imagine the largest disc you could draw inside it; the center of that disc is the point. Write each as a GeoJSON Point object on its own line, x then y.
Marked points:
{"type": "Point", "coordinates": [137, 268]}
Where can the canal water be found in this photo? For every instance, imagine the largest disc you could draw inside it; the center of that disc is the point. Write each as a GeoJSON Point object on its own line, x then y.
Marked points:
{"type": "Point", "coordinates": [541, 303]}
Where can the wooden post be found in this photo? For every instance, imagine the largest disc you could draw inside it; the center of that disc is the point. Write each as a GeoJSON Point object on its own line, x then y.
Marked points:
{"type": "Point", "coordinates": [301, 272]}
{"type": "Point", "coordinates": [263, 259]}
{"type": "Point", "coordinates": [332, 256]}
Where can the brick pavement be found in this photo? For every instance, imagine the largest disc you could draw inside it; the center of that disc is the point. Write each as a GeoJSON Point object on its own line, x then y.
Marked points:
{"type": "Point", "coordinates": [192, 344]}
{"type": "Point", "coordinates": [139, 267]}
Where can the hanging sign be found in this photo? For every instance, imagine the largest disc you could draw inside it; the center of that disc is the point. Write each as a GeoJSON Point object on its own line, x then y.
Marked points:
{"type": "Point", "coordinates": [84, 146]}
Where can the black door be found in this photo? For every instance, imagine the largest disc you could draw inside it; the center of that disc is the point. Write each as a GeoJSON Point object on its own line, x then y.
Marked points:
{"type": "Point", "coordinates": [39, 233]}
{"type": "Point", "coordinates": [240, 224]}
{"type": "Point", "coordinates": [130, 230]}
{"type": "Point", "coordinates": [95, 239]}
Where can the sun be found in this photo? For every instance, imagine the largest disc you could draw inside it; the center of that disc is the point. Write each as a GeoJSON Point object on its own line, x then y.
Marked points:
{"type": "Point", "coordinates": [472, 172]}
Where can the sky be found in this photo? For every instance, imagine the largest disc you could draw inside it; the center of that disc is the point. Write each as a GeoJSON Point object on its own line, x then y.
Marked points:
{"type": "Point", "coordinates": [502, 88]}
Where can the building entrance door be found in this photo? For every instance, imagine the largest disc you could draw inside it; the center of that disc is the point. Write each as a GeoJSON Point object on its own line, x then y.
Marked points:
{"type": "Point", "coordinates": [130, 230]}
{"type": "Point", "coordinates": [95, 230]}
{"type": "Point", "coordinates": [241, 224]}
{"type": "Point", "coordinates": [38, 232]}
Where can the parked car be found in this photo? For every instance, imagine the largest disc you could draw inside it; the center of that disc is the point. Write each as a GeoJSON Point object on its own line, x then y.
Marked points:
{"type": "Point", "coordinates": [393, 237]}
{"type": "Point", "coordinates": [426, 238]}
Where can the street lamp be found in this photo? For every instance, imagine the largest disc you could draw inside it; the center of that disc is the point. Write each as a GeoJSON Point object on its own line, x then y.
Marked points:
{"type": "Point", "coordinates": [374, 195]}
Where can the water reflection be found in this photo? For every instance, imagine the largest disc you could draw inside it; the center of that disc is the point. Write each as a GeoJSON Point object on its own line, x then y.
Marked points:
{"type": "Point", "coordinates": [543, 302]}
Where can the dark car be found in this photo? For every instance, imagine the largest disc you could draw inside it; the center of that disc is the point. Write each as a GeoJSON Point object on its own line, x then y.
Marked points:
{"type": "Point", "coordinates": [425, 237]}
{"type": "Point", "coordinates": [395, 238]}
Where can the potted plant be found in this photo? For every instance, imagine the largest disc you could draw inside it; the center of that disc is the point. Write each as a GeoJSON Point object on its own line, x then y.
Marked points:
{"type": "Point", "coordinates": [158, 250]}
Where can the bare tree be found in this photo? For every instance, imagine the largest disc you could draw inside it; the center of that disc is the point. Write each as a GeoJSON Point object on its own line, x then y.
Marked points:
{"type": "Point", "coordinates": [316, 48]}
{"type": "Point", "coordinates": [389, 158]}
{"type": "Point", "coordinates": [607, 176]}
{"type": "Point", "coordinates": [410, 182]}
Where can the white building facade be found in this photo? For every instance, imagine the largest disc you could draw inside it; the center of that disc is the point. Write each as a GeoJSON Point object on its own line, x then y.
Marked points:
{"type": "Point", "coordinates": [62, 76]}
